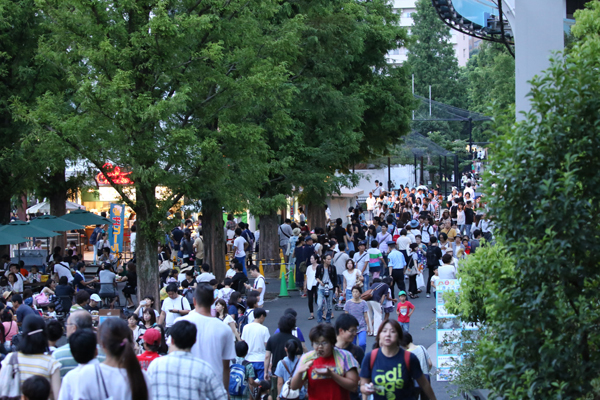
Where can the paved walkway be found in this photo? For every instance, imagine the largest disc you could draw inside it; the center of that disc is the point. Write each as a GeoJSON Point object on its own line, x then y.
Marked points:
{"type": "Point", "coordinates": [422, 324]}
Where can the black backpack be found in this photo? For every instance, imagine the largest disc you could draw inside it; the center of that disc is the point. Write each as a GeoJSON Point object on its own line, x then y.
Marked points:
{"type": "Point", "coordinates": [432, 256]}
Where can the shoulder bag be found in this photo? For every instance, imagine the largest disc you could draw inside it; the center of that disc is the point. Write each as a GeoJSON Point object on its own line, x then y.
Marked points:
{"type": "Point", "coordinates": [413, 269]}
{"type": "Point", "coordinates": [368, 295]}
{"type": "Point", "coordinates": [287, 393]}
{"type": "Point", "coordinates": [10, 379]}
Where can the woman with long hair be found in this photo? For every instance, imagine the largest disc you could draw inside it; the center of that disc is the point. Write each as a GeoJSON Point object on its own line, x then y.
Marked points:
{"type": "Point", "coordinates": [310, 284]}
{"type": "Point", "coordinates": [388, 362]}
{"type": "Point", "coordinates": [31, 355]}
{"type": "Point", "coordinates": [223, 315]}
{"type": "Point", "coordinates": [120, 375]}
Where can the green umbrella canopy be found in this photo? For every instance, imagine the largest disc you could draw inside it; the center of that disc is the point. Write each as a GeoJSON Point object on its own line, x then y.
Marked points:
{"type": "Point", "coordinates": [25, 229]}
{"type": "Point", "coordinates": [83, 217]}
{"type": "Point", "coordinates": [56, 224]}
{"type": "Point", "coordinates": [6, 238]}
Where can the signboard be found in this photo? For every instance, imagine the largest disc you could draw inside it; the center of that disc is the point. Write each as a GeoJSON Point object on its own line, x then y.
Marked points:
{"type": "Point", "coordinates": [116, 231]}
{"type": "Point", "coordinates": [448, 330]}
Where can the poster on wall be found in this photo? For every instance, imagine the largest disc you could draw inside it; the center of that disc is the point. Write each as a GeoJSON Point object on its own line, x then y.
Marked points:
{"type": "Point", "coordinates": [448, 331]}
{"type": "Point", "coordinates": [116, 231]}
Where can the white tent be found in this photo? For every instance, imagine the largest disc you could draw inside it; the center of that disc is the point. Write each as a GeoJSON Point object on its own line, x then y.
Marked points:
{"type": "Point", "coordinates": [44, 207]}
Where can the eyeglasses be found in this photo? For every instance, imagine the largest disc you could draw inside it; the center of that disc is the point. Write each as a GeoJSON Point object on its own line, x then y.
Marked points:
{"type": "Point", "coordinates": [320, 344]}
{"type": "Point", "coordinates": [353, 331]}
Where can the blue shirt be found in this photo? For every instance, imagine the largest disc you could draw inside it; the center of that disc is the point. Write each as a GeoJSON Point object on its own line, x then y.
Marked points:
{"type": "Point", "coordinates": [392, 374]}
{"type": "Point", "coordinates": [396, 260]}
{"type": "Point", "coordinates": [283, 373]}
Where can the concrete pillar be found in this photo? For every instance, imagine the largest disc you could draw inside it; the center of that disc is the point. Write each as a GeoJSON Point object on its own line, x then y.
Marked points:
{"type": "Point", "coordinates": [539, 31]}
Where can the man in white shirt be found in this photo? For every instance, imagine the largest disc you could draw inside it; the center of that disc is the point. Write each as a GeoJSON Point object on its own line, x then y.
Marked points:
{"type": "Point", "coordinates": [447, 270]}
{"type": "Point", "coordinates": [82, 344]}
{"type": "Point", "coordinates": [361, 262]}
{"type": "Point", "coordinates": [214, 340]}
{"type": "Point", "coordinates": [256, 335]}
{"type": "Point", "coordinates": [259, 284]}
{"type": "Point", "coordinates": [377, 190]}
{"type": "Point", "coordinates": [370, 206]}
{"type": "Point", "coordinates": [339, 262]}
{"type": "Point", "coordinates": [239, 247]}
{"type": "Point", "coordinates": [62, 268]}
{"type": "Point", "coordinates": [470, 190]}
{"type": "Point", "coordinates": [173, 306]}
{"type": "Point", "coordinates": [205, 276]}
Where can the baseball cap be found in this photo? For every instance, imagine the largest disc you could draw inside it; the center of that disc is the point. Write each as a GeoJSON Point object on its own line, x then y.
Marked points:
{"type": "Point", "coordinates": [28, 301]}
{"type": "Point", "coordinates": [402, 293]}
{"type": "Point", "coordinates": [96, 298]}
{"type": "Point", "coordinates": [391, 243]}
{"type": "Point", "coordinates": [151, 336]}
{"type": "Point", "coordinates": [362, 243]}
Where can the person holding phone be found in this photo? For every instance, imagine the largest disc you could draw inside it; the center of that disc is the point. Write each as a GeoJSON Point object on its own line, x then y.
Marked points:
{"type": "Point", "coordinates": [331, 373]}
{"type": "Point", "coordinates": [173, 307]}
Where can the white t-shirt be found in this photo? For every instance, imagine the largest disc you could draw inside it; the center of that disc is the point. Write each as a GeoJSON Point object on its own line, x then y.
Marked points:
{"type": "Point", "coordinates": [225, 293]}
{"type": "Point", "coordinates": [256, 335]}
{"type": "Point", "coordinates": [205, 277]}
{"type": "Point", "coordinates": [434, 280]}
{"type": "Point", "coordinates": [230, 273]}
{"type": "Point", "coordinates": [180, 303]}
{"type": "Point", "coordinates": [239, 243]}
{"type": "Point", "coordinates": [70, 382]}
{"type": "Point", "coordinates": [360, 260]}
{"type": "Point", "coordinates": [371, 203]}
{"type": "Point", "coordinates": [132, 237]}
{"type": "Point", "coordinates": [447, 271]}
{"type": "Point", "coordinates": [61, 270]}
{"type": "Point", "coordinates": [339, 262]}
{"type": "Point", "coordinates": [214, 340]}
{"type": "Point", "coordinates": [403, 243]}
{"type": "Point", "coordinates": [116, 383]}
{"type": "Point", "coordinates": [260, 283]}
{"type": "Point", "coordinates": [351, 277]}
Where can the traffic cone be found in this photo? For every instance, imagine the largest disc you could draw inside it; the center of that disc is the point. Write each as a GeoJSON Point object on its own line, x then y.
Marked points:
{"type": "Point", "coordinates": [283, 292]}
{"type": "Point", "coordinates": [291, 279]}
{"type": "Point", "coordinates": [260, 268]}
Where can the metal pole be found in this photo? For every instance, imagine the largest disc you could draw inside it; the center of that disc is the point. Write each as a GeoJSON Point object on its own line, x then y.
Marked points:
{"type": "Point", "coordinates": [440, 172]}
{"type": "Point", "coordinates": [445, 176]}
{"type": "Point", "coordinates": [413, 92]}
{"type": "Point", "coordinates": [415, 170]}
{"type": "Point", "coordinates": [389, 176]}
{"type": "Point", "coordinates": [430, 100]}
{"type": "Point", "coordinates": [470, 125]}
{"type": "Point", "coordinates": [456, 179]}
{"type": "Point", "coordinates": [422, 179]}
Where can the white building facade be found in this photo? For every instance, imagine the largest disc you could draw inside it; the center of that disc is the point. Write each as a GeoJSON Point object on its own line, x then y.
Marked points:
{"type": "Point", "coordinates": [406, 8]}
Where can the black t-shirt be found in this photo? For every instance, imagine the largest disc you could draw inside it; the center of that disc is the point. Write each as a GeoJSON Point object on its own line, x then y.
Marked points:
{"type": "Point", "coordinates": [276, 345]}
{"type": "Point", "coordinates": [379, 290]}
{"type": "Point", "coordinates": [64, 290]}
{"type": "Point", "coordinates": [358, 354]}
{"type": "Point", "coordinates": [78, 281]}
{"type": "Point", "coordinates": [468, 216]}
{"type": "Point", "coordinates": [177, 236]}
{"type": "Point", "coordinates": [238, 281]}
{"type": "Point", "coordinates": [339, 233]}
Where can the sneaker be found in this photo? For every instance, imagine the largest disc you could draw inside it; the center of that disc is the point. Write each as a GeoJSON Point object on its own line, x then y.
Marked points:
{"type": "Point", "coordinates": [428, 296]}
{"type": "Point", "coordinates": [303, 295]}
{"type": "Point", "coordinates": [434, 310]}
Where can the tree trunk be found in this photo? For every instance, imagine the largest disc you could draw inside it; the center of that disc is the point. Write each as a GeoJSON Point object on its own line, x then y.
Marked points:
{"type": "Point", "coordinates": [213, 232]}
{"type": "Point", "coordinates": [58, 199]}
{"type": "Point", "coordinates": [269, 239]}
{"type": "Point", "coordinates": [5, 218]}
{"type": "Point", "coordinates": [146, 244]}
{"type": "Point", "coordinates": [315, 214]}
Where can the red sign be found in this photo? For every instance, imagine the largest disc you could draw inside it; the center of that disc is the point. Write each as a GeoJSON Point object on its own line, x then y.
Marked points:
{"type": "Point", "coordinates": [115, 174]}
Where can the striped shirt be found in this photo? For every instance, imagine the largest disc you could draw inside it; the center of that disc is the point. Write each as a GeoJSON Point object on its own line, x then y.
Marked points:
{"type": "Point", "coordinates": [180, 376]}
{"type": "Point", "coordinates": [375, 257]}
{"type": "Point", "coordinates": [67, 362]}
{"type": "Point", "coordinates": [34, 364]}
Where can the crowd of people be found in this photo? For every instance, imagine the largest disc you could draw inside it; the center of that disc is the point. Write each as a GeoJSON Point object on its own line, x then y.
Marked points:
{"type": "Point", "coordinates": [202, 332]}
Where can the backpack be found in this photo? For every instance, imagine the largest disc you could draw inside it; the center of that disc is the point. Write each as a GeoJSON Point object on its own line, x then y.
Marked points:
{"type": "Point", "coordinates": [243, 321]}
{"type": "Point", "coordinates": [237, 379]}
{"type": "Point", "coordinates": [94, 235]}
{"type": "Point", "coordinates": [432, 258]}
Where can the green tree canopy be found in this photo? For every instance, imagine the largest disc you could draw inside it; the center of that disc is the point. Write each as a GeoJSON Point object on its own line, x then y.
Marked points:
{"type": "Point", "coordinates": [538, 293]}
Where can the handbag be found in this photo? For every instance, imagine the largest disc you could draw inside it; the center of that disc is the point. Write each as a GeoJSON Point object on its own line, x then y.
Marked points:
{"type": "Point", "coordinates": [413, 269]}
{"type": "Point", "coordinates": [420, 281]}
{"type": "Point", "coordinates": [287, 393]}
{"type": "Point", "coordinates": [368, 295]}
{"type": "Point", "coordinates": [10, 379]}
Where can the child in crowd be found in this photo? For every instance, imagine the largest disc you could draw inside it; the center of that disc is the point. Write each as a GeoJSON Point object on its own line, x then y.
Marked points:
{"type": "Point", "coordinates": [388, 305]}
{"type": "Point", "coordinates": [434, 280]}
{"type": "Point", "coordinates": [405, 309]}
{"type": "Point", "coordinates": [34, 275]}
{"type": "Point", "coordinates": [51, 313]}
{"type": "Point", "coordinates": [286, 367]}
{"type": "Point", "coordinates": [35, 388]}
{"type": "Point", "coordinates": [241, 351]}
{"type": "Point", "coordinates": [152, 338]}
{"type": "Point", "coordinates": [261, 392]}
